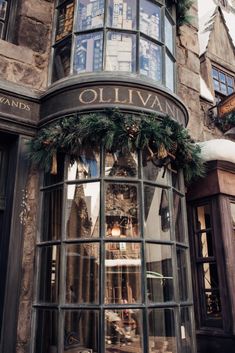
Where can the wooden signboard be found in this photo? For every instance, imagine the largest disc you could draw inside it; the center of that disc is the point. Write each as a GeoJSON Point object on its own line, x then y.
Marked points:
{"type": "Point", "coordinates": [227, 106]}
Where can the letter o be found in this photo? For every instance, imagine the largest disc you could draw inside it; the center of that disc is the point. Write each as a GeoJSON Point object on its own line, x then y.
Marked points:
{"type": "Point", "coordinates": [93, 99]}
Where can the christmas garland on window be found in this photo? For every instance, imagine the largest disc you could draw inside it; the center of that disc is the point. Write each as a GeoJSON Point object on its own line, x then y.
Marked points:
{"type": "Point", "coordinates": [166, 142]}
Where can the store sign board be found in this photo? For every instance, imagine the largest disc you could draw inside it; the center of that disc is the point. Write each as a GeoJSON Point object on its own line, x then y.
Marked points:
{"type": "Point", "coordinates": [227, 106]}
{"type": "Point", "coordinates": [18, 107]}
{"type": "Point", "coordinates": [111, 95]}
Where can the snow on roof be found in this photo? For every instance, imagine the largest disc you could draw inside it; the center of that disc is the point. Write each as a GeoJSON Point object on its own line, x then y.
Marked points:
{"type": "Point", "coordinates": [218, 150]}
{"type": "Point", "coordinates": [205, 92]}
{"type": "Point", "coordinates": [207, 14]}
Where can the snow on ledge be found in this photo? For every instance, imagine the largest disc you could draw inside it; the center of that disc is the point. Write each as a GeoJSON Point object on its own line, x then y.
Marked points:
{"type": "Point", "coordinates": [218, 149]}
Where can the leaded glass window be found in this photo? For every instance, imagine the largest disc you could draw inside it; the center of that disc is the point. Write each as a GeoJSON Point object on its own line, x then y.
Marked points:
{"type": "Point", "coordinates": [128, 36]}
{"type": "Point", "coordinates": [113, 271]}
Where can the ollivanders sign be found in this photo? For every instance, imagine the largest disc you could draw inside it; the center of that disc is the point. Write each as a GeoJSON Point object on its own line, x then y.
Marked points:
{"type": "Point", "coordinates": [91, 97]}
{"type": "Point", "coordinates": [226, 106]}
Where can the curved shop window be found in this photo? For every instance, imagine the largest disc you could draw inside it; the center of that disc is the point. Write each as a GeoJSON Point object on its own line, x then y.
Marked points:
{"type": "Point", "coordinates": [129, 36]}
{"type": "Point", "coordinates": [113, 258]}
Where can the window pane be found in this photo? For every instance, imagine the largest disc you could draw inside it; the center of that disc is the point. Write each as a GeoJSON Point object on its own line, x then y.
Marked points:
{"type": "Point", "coordinates": [62, 56]}
{"type": "Point", "coordinates": [182, 274]}
{"type": "Point", "coordinates": [222, 77]}
{"type": "Point", "coordinates": [122, 14]}
{"type": "Point", "coordinates": [90, 14]}
{"type": "Point", "coordinates": [82, 273]}
{"type": "Point", "coordinates": [216, 85]}
{"type": "Point", "coordinates": [82, 213]}
{"type": "Point", "coordinates": [212, 295]}
{"type": "Point", "coordinates": [205, 245]}
{"type": "Point", "coordinates": [46, 340]}
{"type": "Point", "coordinates": [88, 53]}
{"type": "Point", "coordinates": [169, 73]}
{"type": "Point", "coordinates": [151, 171]}
{"type": "Point", "coordinates": [169, 34]}
{"type": "Point", "coordinates": [150, 19]}
{"type": "Point", "coordinates": [186, 330]}
{"type": "Point", "coordinates": [223, 88]}
{"type": "Point", "coordinates": [121, 210]}
{"type": "Point", "coordinates": [159, 273]}
{"type": "Point", "coordinates": [122, 273]}
{"type": "Point", "coordinates": [123, 328]}
{"type": "Point", "coordinates": [119, 164]}
{"type": "Point", "coordinates": [203, 220]}
{"type": "Point", "coordinates": [3, 9]}
{"type": "Point", "coordinates": [64, 21]}
{"type": "Point", "coordinates": [86, 166]}
{"type": "Point", "coordinates": [177, 218]}
{"type": "Point", "coordinates": [150, 60]}
{"type": "Point", "coordinates": [49, 274]}
{"type": "Point", "coordinates": [230, 90]}
{"type": "Point", "coordinates": [162, 335]}
{"type": "Point", "coordinates": [81, 331]}
{"type": "Point", "coordinates": [157, 213]}
{"type": "Point", "coordinates": [230, 81]}
{"type": "Point", "coordinates": [121, 52]}
{"type": "Point", "coordinates": [49, 178]}
{"type": "Point", "coordinates": [215, 73]}
{"type": "Point", "coordinates": [52, 215]}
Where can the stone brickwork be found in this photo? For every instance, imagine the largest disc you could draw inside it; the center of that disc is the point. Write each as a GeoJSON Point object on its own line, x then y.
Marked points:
{"type": "Point", "coordinates": [188, 79]}
{"type": "Point", "coordinates": [26, 61]}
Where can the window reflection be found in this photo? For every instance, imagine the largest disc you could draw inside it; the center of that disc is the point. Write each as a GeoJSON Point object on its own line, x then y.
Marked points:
{"type": "Point", "coordinates": [211, 287]}
{"type": "Point", "coordinates": [123, 331]}
{"type": "Point", "coordinates": [121, 210]}
{"type": "Point", "coordinates": [121, 164]}
{"type": "Point", "coordinates": [151, 171]}
{"type": "Point", "coordinates": [88, 55]}
{"type": "Point", "coordinates": [49, 273]}
{"type": "Point", "coordinates": [82, 212]}
{"type": "Point", "coordinates": [81, 331]}
{"type": "Point", "coordinates": [203, 217]}
{"type": "Point", "coordinates": [205, 245]}
{"type": "Point", "coordinates": [52, 215]}
{"type": "Point", "coordinates": [159, 273]}
{"type": "Point", "coordinates": [86, 166]}
{"type": "Point", "coordinates": [46, 340]}
{"type": "Point", "coordinates": [82, 273]}
{"type": "Point", "coordinates": [122, 273]}
{"type": "Point", "coordinates": [177, 218]}
{"type": "Point", "coordinates": [169, 73]}
{"type": "Point", "coordinates": [182, 274]}
{"type": "Point", "coordinates": [120, 52]}
{"type": "Point", "coordinates": [64, 21]}
{"type": "Point", "coordinates": [185, 330]}
{"type": "Point", "coordinates": [150, 19]}
{"type": "Point", "coordinates": [122, 14]}
{"type": "Point", "coordinates": [168, 34]}
{"type": "Point", "coordinates": [162, 335]}
{"type": "Point", "coordinates": [62, 55]}
{"type": "Point", "coordinates": [150, 60]}
{"type": "Point", "coordinates": [157, 213]}
{"type": "Point", "coordinates": [90, 14]}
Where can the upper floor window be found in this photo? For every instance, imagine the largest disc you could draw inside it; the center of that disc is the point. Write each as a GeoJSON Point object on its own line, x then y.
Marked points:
{"type": "Point", "coordinates": [131, 36]}
{"type": "Point", "coordinates": [7, 18]}
{"type": "Point", "coordinates": [223, 82]}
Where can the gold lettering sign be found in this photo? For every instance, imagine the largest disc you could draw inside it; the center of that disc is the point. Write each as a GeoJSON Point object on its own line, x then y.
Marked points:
{"type": "Point", "coordinates": [227, 106]}
{"type": "Point", "coordinates": [14, 103]}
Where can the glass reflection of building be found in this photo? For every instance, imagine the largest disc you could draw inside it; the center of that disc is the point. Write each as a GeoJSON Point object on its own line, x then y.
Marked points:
{"type": "Point", "coordinates": [113, 248]}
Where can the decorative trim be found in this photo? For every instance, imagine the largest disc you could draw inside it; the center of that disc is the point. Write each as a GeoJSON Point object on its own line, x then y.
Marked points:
{"type": "Point", "coordinates": [166, 142]}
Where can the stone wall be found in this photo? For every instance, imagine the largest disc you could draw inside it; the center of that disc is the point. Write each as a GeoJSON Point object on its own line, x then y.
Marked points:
{"type": "Point", "coordinates": [188, 79]}
{"type": "Point", "coordinates": [26, 60]}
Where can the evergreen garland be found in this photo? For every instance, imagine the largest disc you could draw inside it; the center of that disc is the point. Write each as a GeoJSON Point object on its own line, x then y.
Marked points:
{"type": "Point", "coordinates": [226, 123]}
{"type": "Point", "coordinates": [182, 9]}
{"type": "Point", "coordinates": [166, 142]}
